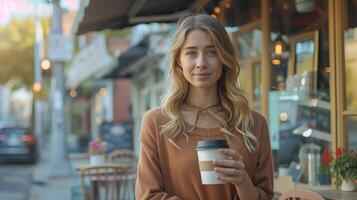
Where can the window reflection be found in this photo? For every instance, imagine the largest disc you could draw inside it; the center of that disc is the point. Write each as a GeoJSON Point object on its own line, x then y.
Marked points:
{"type": "Point", "coordinates": [299, 103]}
{"type": "Point", "coordinates": [350, 71]}
{"type": "Point", "coordinates": [352, 132]}
{"type": "Point", "coordinates": [304, 57]}
{"type": "Point", "coordinates": [351, 68]}
{"type": "Point", "coordinates": [248, 45]}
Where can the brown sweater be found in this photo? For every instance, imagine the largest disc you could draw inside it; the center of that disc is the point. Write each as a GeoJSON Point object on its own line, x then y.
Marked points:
{"type": "Point", "coordinates": [166, 172]}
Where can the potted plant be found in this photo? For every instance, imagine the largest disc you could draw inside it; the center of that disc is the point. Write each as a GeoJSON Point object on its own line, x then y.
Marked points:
{"type": "Point", "coordinates": [323, 176]}
{"type": "Point", "coordinates": [343, 168]}
{"type": "Point", "coordinates": [97, 151]}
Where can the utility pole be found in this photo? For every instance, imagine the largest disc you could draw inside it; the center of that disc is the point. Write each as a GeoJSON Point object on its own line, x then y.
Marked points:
{"type": "Point", "coordinates": [58, 161]}
{"type": "Point", "coordinates": [38, 53]}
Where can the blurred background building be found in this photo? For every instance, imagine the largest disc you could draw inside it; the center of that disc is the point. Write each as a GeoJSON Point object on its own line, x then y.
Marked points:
{"type": "Point", "coordinates": [297, 61]}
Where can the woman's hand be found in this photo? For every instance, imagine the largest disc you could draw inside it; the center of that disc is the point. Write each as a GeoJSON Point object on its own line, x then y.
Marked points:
{"type": "Point", "coordinates": [232, 169]}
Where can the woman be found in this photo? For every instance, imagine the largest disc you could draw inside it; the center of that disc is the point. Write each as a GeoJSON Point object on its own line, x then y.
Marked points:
{"type": "Point", "coordinates": [204, 102]}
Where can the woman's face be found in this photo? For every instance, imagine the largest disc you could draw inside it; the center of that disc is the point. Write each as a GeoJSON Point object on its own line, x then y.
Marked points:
{"type": "Point", "coordinates": [199, 60]}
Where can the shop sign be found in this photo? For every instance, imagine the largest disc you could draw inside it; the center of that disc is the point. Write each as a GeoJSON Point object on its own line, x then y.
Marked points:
{"type": "Point", "coordinates": [119, 135]}
{"type": "Point", "coordinates": [91, 60]}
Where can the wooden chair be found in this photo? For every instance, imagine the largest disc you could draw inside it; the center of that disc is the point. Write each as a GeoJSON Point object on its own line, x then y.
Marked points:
{"type": "Point", "coordinates": [123, 155]}
{"type": "Point", "coordinates": [76, 187]}
{"type": "Point", "coordinates": [107, 182]}
{"type": "Point", "coordinates": [300, 194]}
{"type": "Point", "coordinates": [126, 156]}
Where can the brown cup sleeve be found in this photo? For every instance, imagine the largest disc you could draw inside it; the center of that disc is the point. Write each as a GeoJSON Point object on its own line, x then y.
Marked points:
{"type": "Point", "coordinates": [206, 165]}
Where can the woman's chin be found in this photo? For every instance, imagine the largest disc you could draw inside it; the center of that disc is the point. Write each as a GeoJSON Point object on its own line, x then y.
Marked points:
{"type": "Point", "coordinates": [203, 85]}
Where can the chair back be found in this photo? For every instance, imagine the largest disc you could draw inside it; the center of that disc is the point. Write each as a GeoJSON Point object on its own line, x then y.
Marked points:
{"type": "Point", "coordinates": [300, 194]}
{"type": "Point", "coordinates": [107, 182]}
{"type": "Point", "coordinates": [123, 155]}
{"type": "Point", "coordinates": [128, 157]}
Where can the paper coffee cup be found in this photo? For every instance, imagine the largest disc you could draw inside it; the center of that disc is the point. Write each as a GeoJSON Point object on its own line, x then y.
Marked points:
{"type": "Point", "coordinates": [207, 151]}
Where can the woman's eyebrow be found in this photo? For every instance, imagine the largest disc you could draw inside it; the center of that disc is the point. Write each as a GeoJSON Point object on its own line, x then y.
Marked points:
{"type": "Point", "coordinates": [189, 47]}
{"type": "Point", "coordinates": [195, 47]}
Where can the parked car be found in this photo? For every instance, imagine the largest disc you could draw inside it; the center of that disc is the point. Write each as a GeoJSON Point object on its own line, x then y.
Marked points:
{"type": "Point", "coordinates": [17, 144]}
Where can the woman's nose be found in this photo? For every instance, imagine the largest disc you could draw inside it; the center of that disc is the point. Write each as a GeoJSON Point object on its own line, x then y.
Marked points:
{"type": "Point", "coordinates": [201, 61]}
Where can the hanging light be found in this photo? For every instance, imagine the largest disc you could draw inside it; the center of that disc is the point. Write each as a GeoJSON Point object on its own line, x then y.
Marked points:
{"type": "Point", "coordinates": [279, 45]}
{"type": "Point", "coordinates": [328, 70]}
{"type": "Point", "coordinates": [227, 5]}
{"type": "Point", "coordinates": [37, 87]}
{"type": "Point", "coordinates": [73, 93]}
{"type": "Point", "coordinates": [45, 64]}
{"type": "Point", "coordinates": [276, 61]}
{"type": "Point", "coordinates": [217, 10]}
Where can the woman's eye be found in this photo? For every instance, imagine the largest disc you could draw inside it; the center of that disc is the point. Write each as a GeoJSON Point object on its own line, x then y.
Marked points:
{"type": "Point", "coordinates": [211, 52]}
{"type": "Point", "coordinates": [190, 53]}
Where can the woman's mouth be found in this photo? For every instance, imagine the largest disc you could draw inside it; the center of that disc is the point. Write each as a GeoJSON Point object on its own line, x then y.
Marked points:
{"type": "Point", "coordinates": [201, 75]}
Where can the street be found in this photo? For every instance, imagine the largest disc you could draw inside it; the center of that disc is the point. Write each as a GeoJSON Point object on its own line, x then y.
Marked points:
{"type": "Point", "coordinates": [15, 181]}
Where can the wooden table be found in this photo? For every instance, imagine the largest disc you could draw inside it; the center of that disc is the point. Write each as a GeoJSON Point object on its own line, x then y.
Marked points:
{"type": "Point", "coordinates": [337, 195]}
{"type": "Point", "coordinates": [98, 177]}
{"type": "Point", "coordinates": [79, 161]}
{"type": "Point", "coordinates": [329, 193]}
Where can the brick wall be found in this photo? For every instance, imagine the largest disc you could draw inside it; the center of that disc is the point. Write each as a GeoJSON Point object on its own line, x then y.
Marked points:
{"type": "Point", "coordinates": [122, 100]}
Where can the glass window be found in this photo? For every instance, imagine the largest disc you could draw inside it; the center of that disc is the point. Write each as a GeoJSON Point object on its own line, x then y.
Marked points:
{"type": "Point", "coordinates": [352, 132]}
{"type": "Point", "coordinates": [350, 80]}
{"type": "Point", "coordinates": [257, 85]}
{"type": "Point", "coordinates": [350, 57]}
{"type": "Point", "coordinates": [247, 41]}
{"type": "Point", "coordinates": [350, 43]}
{"type": "Point", "coordinates": [299, 104]}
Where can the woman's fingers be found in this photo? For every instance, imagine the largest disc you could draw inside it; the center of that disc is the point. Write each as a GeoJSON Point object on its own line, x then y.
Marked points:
{"type": "Point", "coordinates": [231, 176]}
{"type": "Point", "coordinates": [228, 179]}
{"type": "Point", "coordinates": [230, 164]}
{"type": "Point", "coordinates": [227, 171]}
{"type": "Point", "coordinates": [231, 153]}
{"type": "Point", "coordinates": [231, 169]}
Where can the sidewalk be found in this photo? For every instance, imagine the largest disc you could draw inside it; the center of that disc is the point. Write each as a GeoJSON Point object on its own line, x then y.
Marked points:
{"type": "Point", "coordinates": [45, 187]}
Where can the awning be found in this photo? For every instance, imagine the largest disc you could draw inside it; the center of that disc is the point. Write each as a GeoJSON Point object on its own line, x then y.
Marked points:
{"type": "Point", "coordinates": [134, 56]}
{"type": "Point", "coordinates": [115, 14]}
{"type": "Point", "coordinates": [93, 61]}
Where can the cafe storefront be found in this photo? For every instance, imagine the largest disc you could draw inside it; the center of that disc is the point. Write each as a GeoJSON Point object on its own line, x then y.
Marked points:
{"type": "Point", "coordinates": [298, 60]}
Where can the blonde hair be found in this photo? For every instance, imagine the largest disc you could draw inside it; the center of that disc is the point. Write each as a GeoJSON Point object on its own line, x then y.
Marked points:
{"type": "Point", "coordinates": [232, 99]}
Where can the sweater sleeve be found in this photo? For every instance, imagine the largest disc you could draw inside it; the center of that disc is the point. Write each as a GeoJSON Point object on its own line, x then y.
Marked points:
{"type": "Point", "coordinates": [149, 183]}
{"type": "Point", "coordinates": [264, 176]}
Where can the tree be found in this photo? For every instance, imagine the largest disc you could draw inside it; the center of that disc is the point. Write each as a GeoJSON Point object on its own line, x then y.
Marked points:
{"type": "Point", "coordinates": [17, 40]}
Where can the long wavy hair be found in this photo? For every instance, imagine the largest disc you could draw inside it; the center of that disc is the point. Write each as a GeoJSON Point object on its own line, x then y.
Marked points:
{"type": "Point", "coordinates": [232, 99]}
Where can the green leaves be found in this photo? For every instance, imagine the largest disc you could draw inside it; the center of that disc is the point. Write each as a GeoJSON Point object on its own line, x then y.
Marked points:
{"type": "Point", "coordinates": [344, 166]}
{"type": "Point", "coordinates": [17, 40]}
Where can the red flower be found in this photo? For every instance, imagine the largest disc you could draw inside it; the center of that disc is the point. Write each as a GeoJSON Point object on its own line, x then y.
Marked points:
{"type": "Point", "coordinates": [326, 157]}
{"type": "Point", "coordinates": [338, 151]}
